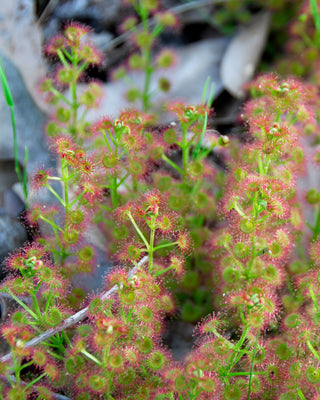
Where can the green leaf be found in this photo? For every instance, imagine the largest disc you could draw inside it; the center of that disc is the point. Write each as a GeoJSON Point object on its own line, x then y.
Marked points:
{"type": "Point", "coordinates": [5, 86]}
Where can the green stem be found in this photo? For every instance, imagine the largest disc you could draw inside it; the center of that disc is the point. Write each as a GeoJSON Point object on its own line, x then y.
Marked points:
{"type": "Point", "coordinates": [105, 207]}
{"type": "Point", "coordinates": [314, 300]}
{"type": "Point", "coordinates": [55, 355]}
{"type": "Point", "coordinates": [23, 366]}
{"type": "Point", "coordinates": [65, 336]}
{"type": "Point", "coordinates": [114, 191]}
{"type": "Point", "coordinates": [106, 139]}
{"type": "Point", "coordinates": [53, 225]}
{"type": "Point", "coordinates": [301, 250]}
{"type": "Point", "coordinates": [245, 373]}
{"type": "Point", "coordinates": [300, 394]}
{"type": "Point", "coordinates": [73, 91]}
{"type": "Point", "coordinates": [16, 368]}
{"type": "Point", "coordinates": [203, 154]}
{"type": "Point", "coordinates": [38, 378]}
{"type": "Point", "coordinates": [185, 153]}
{"type": "Point", "coordinates": [237, 348]}
{"type": "Point", "coordinates": [22, 304]}
{"type": "Point", "coordinates": [148, 74]}
{"type": "Point", "coordinates": [123, 179]}
{"type": "Point", "coordinates": [163, 271]}
{"type": "Point", "coordinates": [252, 364]}
{"type": "Point", "coordinates": [63, 59]}
{"type": "Point", "coordinates": [239, 210]}
{"type": "Point", "coordinates": [65, 176]}
{"type": "Point", "coordinates": [48, 302]}
{"type": "Point", "coordinates": [315, 14]}
{"type": "Point", "coordinates": [196, 187]}
{"type": "Point", "coordinates": [60, 96]}
{"type": "Point", "coordinates": [36, 306]}
{"type": "Point", "coordinates": [82, 67]}
{"type": "Point", "coordinates": [151, 248]}
{"type": "Point", "coordinates": [138, 230]}
{"type": "Point", "coordinates": [217, 334]}
{"type": "Point", "coordinates": [316, 228]}
{"type": "Point", "coordinates": [173, 165]}
{"type": "Point", "coordinates": [142, 11]}
{"type": "Point", "coordinates": [76, 199]}
{"type": "Point", "coordinates": [55, 195]}
{"type": "Point", "coordinates": [10, 102]}
{"type": "Point", "coordinates": [161, 246]}
{"type": "Point", "coordinates": [313, 350]}
{"type": "Point", "coordinates": [199, 144]}
{"type": "Point", "coordinates": [252, 258]}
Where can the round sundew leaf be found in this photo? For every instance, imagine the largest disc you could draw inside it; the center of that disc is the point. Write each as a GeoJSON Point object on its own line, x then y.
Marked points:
{"type": "Point", "coordinates": [313, 375]}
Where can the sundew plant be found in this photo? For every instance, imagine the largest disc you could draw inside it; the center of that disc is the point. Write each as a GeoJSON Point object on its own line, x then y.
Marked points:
{"type": "Point", "coordinates": [229, 250]}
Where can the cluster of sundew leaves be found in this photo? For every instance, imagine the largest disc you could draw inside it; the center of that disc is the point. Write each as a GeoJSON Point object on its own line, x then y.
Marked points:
{"type": "Point", "coordinates": [156, 228]}
{"type": "Point", "coordinates": [132, 151]}
{"type": "Point", "coordinates": [32, 274]}
{"type": "Point", "coordinates": [75, 55]}
{"type": "Point", "coordinates": [302, 47]}
{"type": "Point", "coordinates": [144, 37]}
{"type": "Point", "coordinates": [253, 250]}
{"type": "Point", "coordinates": [40, 290]}
{"type": "Point", "coordinates": [74, 213]}
{"type": "Point", "coordinates": [127, 151]}
{"type": "Point", "coordinates": [119, 353]}
{"type": "Point", "coordinates": [260, 196]}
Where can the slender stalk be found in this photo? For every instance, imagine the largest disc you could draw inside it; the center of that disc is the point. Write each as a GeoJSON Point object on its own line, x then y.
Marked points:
{"type": "Point", "coordinates": [313, 350]}
{"type": "Point", "coordinates": [38, 378]}
{"type": "Point", "coordinates": [114, 190]}
{"type": "Point", "coordinates": [36, 307]}
{"type": "Point", "coordinates": [314, 299]}
{"type": "Point", "coordinates": [148, 74]}
{"type": "Point", "coordinates": [151, 244]}
{"type": "Point", "coordinates": [91, 357]}
{"type": "Point", "coordinates": [300, 394]}
{"type": "Point", "coordinates": [252, 364]}
{"type": "Point", "coordinates": [236, 349]}
{"type": "Point", "coordinates": [316, 227]}
{"type": "Point", "coordinates": [138, 230]}
{"type": "Point", "coordinates": [55, 195]}
{"type": "Point", "coordinates": [185, 153]}
{"type": "Point", "coordinates": [173, 165]}
{"type": "Point", "coordinates": [22, 304]}
{"type": "Point", "coordinates": [10, 103]}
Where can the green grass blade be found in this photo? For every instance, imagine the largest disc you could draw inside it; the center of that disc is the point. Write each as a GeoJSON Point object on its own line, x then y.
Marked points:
{"type": "Point", "coordinates": [5, 86]}
{"type": "Point", "coordinates": [211, 96]}
{"type": "Point", "coordinates": [205, 89]}
{"type": "Point", "coordinates": [10, 103]}
{"type": "Point", "coordinates": [315, 14]}
{"type": "Point", "coordinates": [199, 144]}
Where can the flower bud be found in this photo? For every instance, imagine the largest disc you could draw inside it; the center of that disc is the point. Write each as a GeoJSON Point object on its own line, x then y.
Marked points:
{"type": "Point", "coordinates": [223, 140]}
